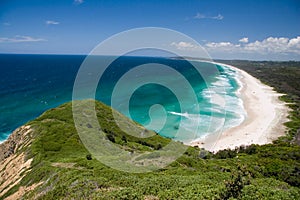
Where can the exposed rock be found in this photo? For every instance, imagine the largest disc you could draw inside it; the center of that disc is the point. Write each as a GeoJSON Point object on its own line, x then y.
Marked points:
{"type": "Point", "coordinates": [12, 171]}
{"type": "Point", "coordinates": [13, 162]}
{"type": "Point", "coordinates": [20, 138]}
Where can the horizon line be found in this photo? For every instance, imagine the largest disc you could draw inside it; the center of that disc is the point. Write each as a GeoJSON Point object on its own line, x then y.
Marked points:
{"type": "Point", "coordinates": [69, 54]}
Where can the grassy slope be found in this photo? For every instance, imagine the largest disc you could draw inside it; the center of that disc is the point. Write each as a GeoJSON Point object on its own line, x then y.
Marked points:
{"type": "Point", "coordinates": [60, 161]}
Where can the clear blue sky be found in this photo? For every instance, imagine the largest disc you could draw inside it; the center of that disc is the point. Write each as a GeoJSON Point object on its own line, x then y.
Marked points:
{"type": "Point", "coordinates": [241, 29]}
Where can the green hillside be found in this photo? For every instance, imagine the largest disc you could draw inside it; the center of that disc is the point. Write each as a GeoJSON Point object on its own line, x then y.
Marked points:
{"type": "Point", "coordinates": [63, 169]}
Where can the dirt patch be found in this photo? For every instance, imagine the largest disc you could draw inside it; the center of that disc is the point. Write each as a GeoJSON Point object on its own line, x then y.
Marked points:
{"type": "Point", "coordinates": [150, 197]}
{"type": "Point", "coordinates": [23, 190]}
{"type": "Point", "coordinates": [63, 165]}
{"type": "Point", "coordinates": [66, 165]}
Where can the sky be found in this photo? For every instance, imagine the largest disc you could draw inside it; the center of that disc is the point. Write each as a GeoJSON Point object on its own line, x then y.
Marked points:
{"type": "Point", "coordinates": [226, 29]}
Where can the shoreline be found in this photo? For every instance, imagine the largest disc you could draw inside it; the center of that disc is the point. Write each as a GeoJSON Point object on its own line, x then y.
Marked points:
{"type": "Point", "coordinates": [264, 120]}
{"type": "Point", "coordinates": [262, 124]}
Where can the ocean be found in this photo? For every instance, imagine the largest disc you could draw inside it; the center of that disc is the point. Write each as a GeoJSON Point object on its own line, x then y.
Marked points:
{"type": "Point", "coordinates": [32, 84]}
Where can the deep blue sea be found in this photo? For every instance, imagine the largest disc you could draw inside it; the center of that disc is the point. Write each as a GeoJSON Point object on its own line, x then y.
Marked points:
{"type": "Point", "coordinates": [32, 84]}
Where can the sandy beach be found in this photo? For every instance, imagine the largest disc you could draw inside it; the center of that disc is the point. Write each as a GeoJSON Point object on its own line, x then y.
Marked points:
{"type": "Point", "coordinates": [263, 123]}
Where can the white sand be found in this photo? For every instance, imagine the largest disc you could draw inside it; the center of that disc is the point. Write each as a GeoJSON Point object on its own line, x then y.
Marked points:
{"type": "Point", "coordinates": [264, 121]}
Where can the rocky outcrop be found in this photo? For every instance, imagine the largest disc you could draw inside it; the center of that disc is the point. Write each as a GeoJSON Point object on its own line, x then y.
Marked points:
{"type": "Point", "coordinates": [13, 162]}
{"type": "Point", "coordinates": [12, 171]}
{"type": "Point", "coordinates": [20, 138]}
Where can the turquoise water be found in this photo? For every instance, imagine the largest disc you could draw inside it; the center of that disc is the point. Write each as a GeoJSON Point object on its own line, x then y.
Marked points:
{"type": "Point", "coordinates": [31, 84]}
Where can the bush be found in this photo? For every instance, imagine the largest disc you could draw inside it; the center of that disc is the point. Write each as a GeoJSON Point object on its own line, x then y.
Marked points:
{"type": "Point", "coordinates": [89, 157]}
{"type": "Point", "coordinates": [226, 153]}
{"type": "Point", "coordinates": [111, 138]}
{"type": "Point", "coordinates": [237, 182]}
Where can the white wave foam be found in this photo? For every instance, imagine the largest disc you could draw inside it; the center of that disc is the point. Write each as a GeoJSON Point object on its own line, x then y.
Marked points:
{"type": "Point", "coordinates": [225, 98]}
{"type": "Point", "coordinates": [179, 114]}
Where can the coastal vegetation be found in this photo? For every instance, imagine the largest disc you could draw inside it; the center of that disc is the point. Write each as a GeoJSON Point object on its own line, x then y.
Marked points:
{"type": "Point", "coordinates": [62, 168]}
